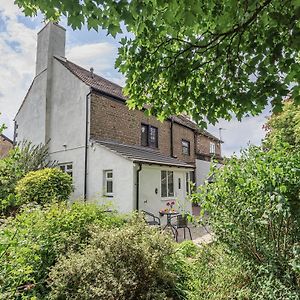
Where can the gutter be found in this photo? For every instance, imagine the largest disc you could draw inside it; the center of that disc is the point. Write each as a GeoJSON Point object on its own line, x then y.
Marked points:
{"type": "Point", "coordinates": [171, 138]}
{"type": "Point", "coordinates": [138, 185]}
{"type": "Point", "coordinates": [86, 143]}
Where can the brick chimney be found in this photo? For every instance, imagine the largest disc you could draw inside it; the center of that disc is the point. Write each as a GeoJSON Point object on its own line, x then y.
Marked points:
{"type": "Point", "coordinates": [51, 41]}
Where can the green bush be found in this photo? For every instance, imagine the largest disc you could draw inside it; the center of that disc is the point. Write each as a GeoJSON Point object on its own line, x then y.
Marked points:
{"type": "Point", "coordinates": [21, 160]}
{"type": "Point", "coordinates": [215, 273]}
{"type": "Point", "coordinates": [33, 241]}
{"type": "Point", "coordinates": [129, 263]}
{"type": "Point", "coordinates": [254, 207]}
{"type": "Point", "coordinates": [43, 186]}
{"type": "Point", "coordinates": [209, 274]}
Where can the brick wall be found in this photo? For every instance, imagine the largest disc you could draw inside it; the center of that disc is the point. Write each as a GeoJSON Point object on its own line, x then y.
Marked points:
{"type": "Point", "coordinates": [203, 146]}
{"type": "Point", "coordinates": [182, 133]}
{"type": "Point", "coordinates": [112, 120]}
{"type": "Point", "coordinates": [5, 146]}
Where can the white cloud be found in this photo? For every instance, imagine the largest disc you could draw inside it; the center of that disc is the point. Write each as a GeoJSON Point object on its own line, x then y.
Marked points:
{"type": "Point", "coordinates": [16, 63]}
{"type": "Point", "coordinates": [100, 56]}
{"type": "Point", "coordinates": [237, 135]}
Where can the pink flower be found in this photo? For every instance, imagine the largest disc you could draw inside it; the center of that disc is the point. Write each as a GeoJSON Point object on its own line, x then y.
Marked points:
{"type": "Point", "coordinates": [168, 203]}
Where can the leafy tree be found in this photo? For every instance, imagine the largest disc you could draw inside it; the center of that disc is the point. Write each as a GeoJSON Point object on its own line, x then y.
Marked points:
{"type": "Point", "coordinates": [284, 127]}
{"type": "Point", "coordinates": [209, 59]}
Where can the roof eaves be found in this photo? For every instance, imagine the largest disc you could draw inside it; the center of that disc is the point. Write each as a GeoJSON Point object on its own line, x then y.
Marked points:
{"type": "Point", "coordinates": [6, 138]}
{"type": "Point", "coordinates": [150, 162]}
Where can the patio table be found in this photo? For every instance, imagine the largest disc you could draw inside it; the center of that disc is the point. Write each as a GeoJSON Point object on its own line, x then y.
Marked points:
{"type": "Point", "coordinates": [169, 215]}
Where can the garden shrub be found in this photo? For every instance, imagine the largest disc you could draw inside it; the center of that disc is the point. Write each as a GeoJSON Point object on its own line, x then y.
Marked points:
{"type": "Point", "coordinates": [128, 263]}
{"type": "Point", "coordinates": [22, 159]}
{"type": "Point", "coordinates": [210, 273]}
{"type": "Point", "coordinates": [43, 186]}
{"type": "Point", "coordinates": [33, 241]}
{"type": "Point", "coordinates": [254, 208]}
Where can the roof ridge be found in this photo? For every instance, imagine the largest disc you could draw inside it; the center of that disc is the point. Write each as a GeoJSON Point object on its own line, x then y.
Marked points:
{"type": "Point", "coordinates": [84, 69]}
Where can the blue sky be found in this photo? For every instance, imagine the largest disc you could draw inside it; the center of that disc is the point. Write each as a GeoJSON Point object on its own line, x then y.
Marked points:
{"type": "Point", "coordinates": [88, 49]}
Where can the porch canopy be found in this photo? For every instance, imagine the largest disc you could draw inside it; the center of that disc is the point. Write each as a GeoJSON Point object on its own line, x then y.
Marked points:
{"type": "Point", "coordinates": [145, 155]}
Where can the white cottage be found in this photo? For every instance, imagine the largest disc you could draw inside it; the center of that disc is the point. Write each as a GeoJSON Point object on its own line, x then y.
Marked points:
{"type": "Point", "coordinates": [112, 153]}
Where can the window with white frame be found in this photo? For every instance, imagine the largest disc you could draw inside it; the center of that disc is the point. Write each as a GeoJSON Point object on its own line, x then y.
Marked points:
{"type": "Point", "coordinates": [67, 168]}
{"type": "Point", "coordinates": [189, 181]}
{"type": "Point", "coordinates": [167, 184]}
{"type": "Point", "coordinates": [212, 148]}
{"type": "Point", "coordinates": [108, 183]}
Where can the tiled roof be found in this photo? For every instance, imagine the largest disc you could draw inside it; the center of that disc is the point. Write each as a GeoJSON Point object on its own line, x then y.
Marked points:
{"type": "Point", "coordinates": [143, 155]}
{"type": "Point", "coordinates": [103, 85]}
{"type": "Point", "coordinates": [185, 121]}
{"type": "Point", "coordinates": [4, 137]}
{"type": "Point", "coordinates": [94, 81]}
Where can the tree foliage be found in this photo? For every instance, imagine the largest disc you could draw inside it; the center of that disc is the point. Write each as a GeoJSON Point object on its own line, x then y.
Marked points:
{"type": "Point", "coordinates": [254, 208]}
{"type": "Point", "coordinates": [284, 127]}
{"type": "Point", "coordinates": [209, 59]}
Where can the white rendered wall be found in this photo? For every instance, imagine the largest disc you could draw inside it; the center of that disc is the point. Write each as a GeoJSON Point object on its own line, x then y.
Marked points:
{"type": "Point", "coordinates": [202, 171]}
{"type": "Point", "coordinates": [150, 180]}
{"type": "Point", "coordinates": [101, 159]}
{"type": "Point", "coordinates": [31, 118]}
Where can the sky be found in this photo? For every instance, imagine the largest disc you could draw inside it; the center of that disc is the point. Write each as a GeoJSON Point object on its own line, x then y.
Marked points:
{"type": "Point", "coordinates": [89, 49]}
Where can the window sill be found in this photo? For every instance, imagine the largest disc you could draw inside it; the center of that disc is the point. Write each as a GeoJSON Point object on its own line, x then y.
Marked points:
{"type": "Point", "coordinates": [108, 196]}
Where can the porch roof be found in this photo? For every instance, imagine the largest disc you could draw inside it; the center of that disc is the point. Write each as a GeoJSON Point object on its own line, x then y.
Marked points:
{"type": "Point", "coordinates": [144, 155]}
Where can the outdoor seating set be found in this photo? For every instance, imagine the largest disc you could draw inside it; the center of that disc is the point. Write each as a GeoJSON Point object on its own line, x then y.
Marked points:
{"type": "Point", "coordinates": [181, 221]}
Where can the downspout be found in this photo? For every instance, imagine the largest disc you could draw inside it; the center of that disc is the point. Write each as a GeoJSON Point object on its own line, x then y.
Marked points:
{"type": "Point", "coordinates": [171, 138]}
{"type": "Point", "coordinates": [86, 143]}
{"type": "Point", "coordinates": [138, 186]}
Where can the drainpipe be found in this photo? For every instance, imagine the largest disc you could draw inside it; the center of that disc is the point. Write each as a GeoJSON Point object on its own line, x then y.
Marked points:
{"type": "Point", "coordinates": [138, 186]}
{"type": "Point", "coordinates": [86, 143]}
{"type": "Point", "coordinates": [171, 138]}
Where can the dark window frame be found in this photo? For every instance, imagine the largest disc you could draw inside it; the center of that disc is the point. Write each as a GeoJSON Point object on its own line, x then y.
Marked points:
{"type": "Point", "coordinates": [149, 142]}
{"type": "Point", "coordinates": [188, 147]}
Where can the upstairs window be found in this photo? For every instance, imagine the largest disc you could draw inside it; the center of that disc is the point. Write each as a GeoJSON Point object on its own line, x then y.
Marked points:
{"type": "Point", "coordinates": [149, 136]}
{"type": "Point", "coordinates": [212, 148]}
{"type": "Point", "coordinates": [67, 168]}
{"type": "Point", "coordinates": [185, 147]}
{"type": "Point", "coordinates": [167, 184]}
{"type": "Point", "coordinates": [144, 135]}
{"type": "Point", "coordinates": [108, 183]}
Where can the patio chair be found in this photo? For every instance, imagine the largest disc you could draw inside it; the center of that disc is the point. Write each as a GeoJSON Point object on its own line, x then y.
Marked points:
{"type": "Point", "coordinates": [182, 222]}
{"type": "Point", "coordinates": [154, 220]}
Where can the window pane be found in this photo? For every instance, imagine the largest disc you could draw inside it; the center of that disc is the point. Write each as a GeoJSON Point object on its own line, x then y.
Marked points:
{"type": "Point", "coordinates": [153, 139]}
{"type": "Point", "coordinates": [185, 147]}
{"type": "Point", "coordinates": [144, 135]}
{"type": "Point", "coordinates": [70, 173]}
{"type": "Point", "coordinates": [187, 183]}
{"type": "Point", "coordinates": [212, 148]}
{"type": "Point", "coordinates": [170, 184]}
{"type": "Point", "coordinates": [69, 167]}
{"type": "Point", "coordinates": [109, 186]}
{"type": "Point", "coordinates": [163, 183]}
{"type": "Point", "coordinates": [109, 174]}
{"type": "Point", "coordinates": [62, 168]}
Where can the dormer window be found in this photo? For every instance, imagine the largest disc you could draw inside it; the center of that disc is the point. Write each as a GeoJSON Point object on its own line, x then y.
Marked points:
{"type": "Point", "coordinates": [149, 136]}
